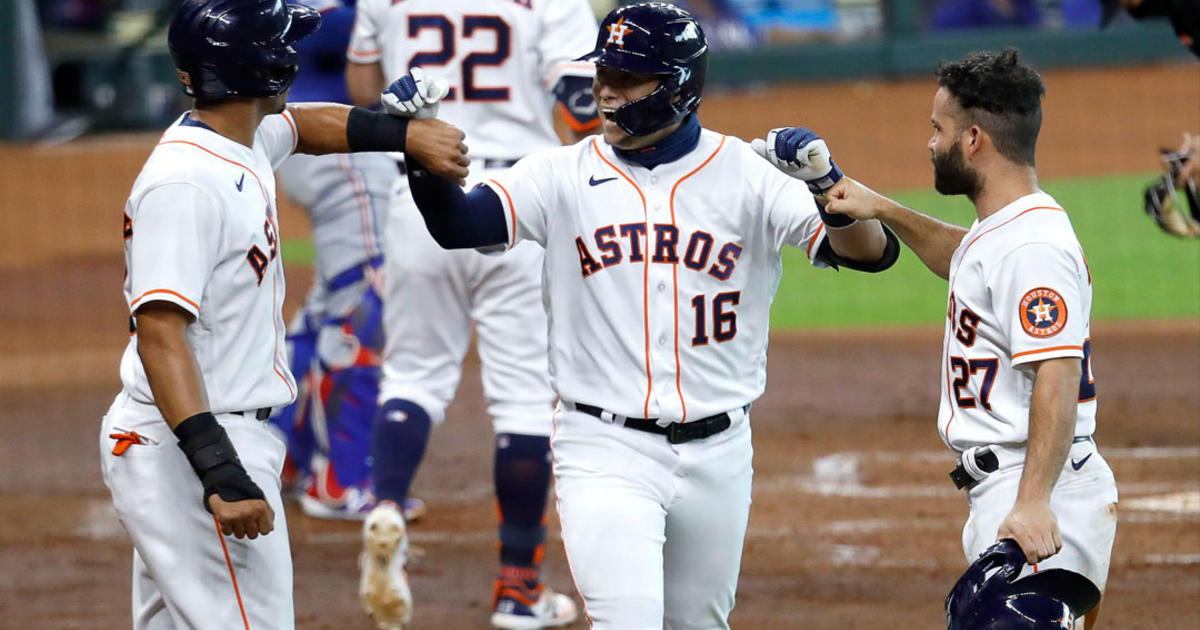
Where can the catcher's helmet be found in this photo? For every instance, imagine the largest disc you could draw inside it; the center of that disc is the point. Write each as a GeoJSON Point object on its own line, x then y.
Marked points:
{"type": "Point", "coordinates": [659, 39]}
{"type": "Point", "coordinates": [230, 48]}
{"type": "Point", "coordinates": [990, 597]}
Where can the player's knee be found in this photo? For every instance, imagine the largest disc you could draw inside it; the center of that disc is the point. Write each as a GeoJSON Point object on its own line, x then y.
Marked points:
{"type": "Point", "coordinates": [399, 405]}
{"type": "Point", "coordinates": [400, 410]}
{"type": "Point", "coordinates": [625, 613]}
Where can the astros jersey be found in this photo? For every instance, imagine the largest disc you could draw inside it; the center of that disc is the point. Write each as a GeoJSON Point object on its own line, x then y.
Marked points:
{"type": "Point", "coordinates": [201, 232]}
{"type": "Point", "coordinates": [1020, 292]}
{"type": "Point", "coordinates": [658, 283]}
{"type": "Point", "coordinates": [501, 57]}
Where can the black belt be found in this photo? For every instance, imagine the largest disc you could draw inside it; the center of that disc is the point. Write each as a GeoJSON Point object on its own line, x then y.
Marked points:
{"type": "Point", "coordinates": [676, 432]}
{"type": "Point", "coordinates": [487, 164]}
{"type": "Point", "coordinates": [987, 462]}
{"type": "Point", "coordinates": [259, 414]}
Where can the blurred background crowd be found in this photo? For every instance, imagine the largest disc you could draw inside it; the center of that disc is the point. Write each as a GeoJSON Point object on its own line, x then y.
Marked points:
{"type": "Point", "coordinates": [67, 66]}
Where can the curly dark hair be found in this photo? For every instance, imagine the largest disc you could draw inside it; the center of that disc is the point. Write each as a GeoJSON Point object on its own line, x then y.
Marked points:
{"type": "Point", "coordinates": [1002, 96]}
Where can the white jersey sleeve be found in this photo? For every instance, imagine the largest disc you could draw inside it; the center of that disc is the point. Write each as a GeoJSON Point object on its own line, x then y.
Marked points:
{"type": "Point", "coordinates": [1036, 294]}
{"type": "Point", "coordinates": [568, 32]}
{"type": "Point", "coordinates": [365, 46]}
{"type": "Point", "coordinates": [174, 246]}
{"type": "Point", "coordinates": [527, 192]}
{"type": "Point", "coordinates": [278, 137]}
{"type": "Point", "coordinates": [791, 214]}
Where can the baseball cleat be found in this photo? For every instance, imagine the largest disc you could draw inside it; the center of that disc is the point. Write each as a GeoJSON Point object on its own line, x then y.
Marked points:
{"type": "Point", "coordinates": [519, 607]}
{"type": "Point", "coordinates": [383, 586]}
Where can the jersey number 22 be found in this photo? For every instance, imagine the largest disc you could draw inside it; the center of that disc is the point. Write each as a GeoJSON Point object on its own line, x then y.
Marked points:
{"type": "Point", "coordinates": [472, 26]}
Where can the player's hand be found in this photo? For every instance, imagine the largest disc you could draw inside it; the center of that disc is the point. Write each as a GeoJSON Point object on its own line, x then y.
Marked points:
{"type": "Point", "coordinates": [415, 95]}
{"type": "Point", "coordinates": [243, 519]}
{"type": "Point", "coordinates": [801, 153]}
{"type": "Point", "coordinates": [439, 146]}
{"type": "Point", "coordinates": [851, 198]}
{"type": "Point", "coordinates": [1034, 527]}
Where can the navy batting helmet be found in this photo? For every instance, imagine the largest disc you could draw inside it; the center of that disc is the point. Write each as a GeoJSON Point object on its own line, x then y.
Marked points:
{"type": "Point", "coordinates": [990, 597]}
{"type": "Point", "coordinates": [230, 48]}
{"type": "Point", "coordinates": [659, 39]}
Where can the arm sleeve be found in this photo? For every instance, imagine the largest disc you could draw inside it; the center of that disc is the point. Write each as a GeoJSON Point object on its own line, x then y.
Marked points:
{"type": "Point", "coordinates": [791, 214]}
{"type": "Point", "coordinates": [526, 192]}
{"type": "Point", "coordinates": [456, 220]}
{"type": "Point", "coordinates": [568, 32]}
{"type": "Point", "coordinates": [891, 252]}
{"type": "Point", "coordinates": [1037, 293]}
{"type": "Point", "coordinates": [174, 246]}
{"type": "Point", "coordinates": [278, 136]}
{"type": "Point", "coordinates": [364, 39]}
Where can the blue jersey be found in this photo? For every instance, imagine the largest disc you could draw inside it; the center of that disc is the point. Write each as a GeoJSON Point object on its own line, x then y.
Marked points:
{"type": "Point", "coordinates": [323, 55]}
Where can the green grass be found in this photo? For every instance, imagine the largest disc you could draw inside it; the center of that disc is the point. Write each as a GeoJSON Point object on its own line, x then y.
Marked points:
{"type": "Point", "coordinates": [1138, 272]}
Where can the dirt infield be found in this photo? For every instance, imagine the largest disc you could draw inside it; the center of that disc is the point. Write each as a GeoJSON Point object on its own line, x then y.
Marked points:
{"type": "Point", "coordinates": [854, 524]}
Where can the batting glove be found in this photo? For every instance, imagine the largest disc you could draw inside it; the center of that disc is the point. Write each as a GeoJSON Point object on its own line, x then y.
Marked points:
{"type": "Point", "coordinates": [415, 95]}
{"type": "Point", "coordinates": [801, 153]}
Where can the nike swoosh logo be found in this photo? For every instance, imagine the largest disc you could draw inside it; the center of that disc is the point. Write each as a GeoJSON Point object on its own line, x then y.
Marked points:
{"type": "Point", "coordinates": [1079, 464]}
{"type": "Point", "coordinates": [240, 182]}
{"type": "Point", "coordinates": [592, 181]}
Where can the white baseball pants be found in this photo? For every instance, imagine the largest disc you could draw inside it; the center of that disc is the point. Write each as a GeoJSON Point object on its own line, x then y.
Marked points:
{"type": "Point", "coordinates": [653, 531]}
{"type": "Point", "coordinates": [1083, 500]}
{"type": "Point", "coordinates": [182, 577]}
{"type": "Point", "coordinates": [433, 298]}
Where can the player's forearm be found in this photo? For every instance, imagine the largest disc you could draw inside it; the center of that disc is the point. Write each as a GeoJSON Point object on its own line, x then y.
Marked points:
{"type": "Point", "coordinates": [1052, 414]}
{"type": "Point", "coordinates": [171, 368]}
{"type": "Point", "coordinates": [933, 241]}
{"type": "Point", "coordinates": [364, 82]}
{"type": "Point", "coordinates": [331, 128]}
{"type": "Point", "coordinates": [864, 241]}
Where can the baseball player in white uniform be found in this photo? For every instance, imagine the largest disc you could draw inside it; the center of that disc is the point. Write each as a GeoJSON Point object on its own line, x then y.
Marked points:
{"type": "Point", "coordinates": [505, 66]}
{"type": "Point", "coordinates": [335, 341]}
{"type": "Point", "coordinates": [658, 279]}
{"type": "Point", "coordinates": [205, 361]}
{"type": "Point", "coordinates": [1018, 397]}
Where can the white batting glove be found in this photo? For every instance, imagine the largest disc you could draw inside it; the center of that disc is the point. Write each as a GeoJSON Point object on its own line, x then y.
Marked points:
{"type": "Point", "coordinates": [415, 95]}
{"type": "Point", "coordinates": [800, 153]}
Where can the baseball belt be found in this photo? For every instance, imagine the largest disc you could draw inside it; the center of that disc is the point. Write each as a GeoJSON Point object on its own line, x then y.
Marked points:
{"type": "Point", "coordinates": [259, 414]}
{"type": "Point", "coordinates": [676, 432]}
{"type": "Point", "coordinates": [978, 462]}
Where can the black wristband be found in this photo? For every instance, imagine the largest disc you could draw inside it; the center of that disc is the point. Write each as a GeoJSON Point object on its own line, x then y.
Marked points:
{"type": "Point", "coordinates": [214, 459]}
{"type": "Point", "coordinates": [375, 131]}
{"type": "Point", "coordinates": [835, 220]}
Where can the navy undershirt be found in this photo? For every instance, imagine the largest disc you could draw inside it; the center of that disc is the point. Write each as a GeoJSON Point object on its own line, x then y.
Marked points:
{"type": "Point", "coordinates": [671, 148]}
{"type": "Point", "coordinates": [188, 121]}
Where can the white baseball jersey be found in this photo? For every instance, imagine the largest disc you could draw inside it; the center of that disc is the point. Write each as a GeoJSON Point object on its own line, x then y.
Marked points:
{"type": "Point", "coordinates": [501, 58]}
{"type": "Point", "coordinates": [1020, 292]}
{"type": "Point", "coordinates": [201, 231]}
{"type": "Point", "coordinates": [658, 283]}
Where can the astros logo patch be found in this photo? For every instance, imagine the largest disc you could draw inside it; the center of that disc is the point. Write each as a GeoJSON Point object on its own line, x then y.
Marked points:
{"type": "Point", "coordinates": [1043, 312]}
{"type": "Point", "coordinates": [616, 33]}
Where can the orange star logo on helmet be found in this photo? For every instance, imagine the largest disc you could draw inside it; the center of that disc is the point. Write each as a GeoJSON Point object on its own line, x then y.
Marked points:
{"type": "Point", "coordinates": [1043, 312]}
{"type": "Point", "coordinates": [616, 33]}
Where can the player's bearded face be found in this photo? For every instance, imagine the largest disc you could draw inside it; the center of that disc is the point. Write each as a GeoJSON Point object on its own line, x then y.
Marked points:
{"type": "Point", "coordinates": [951, 173]}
